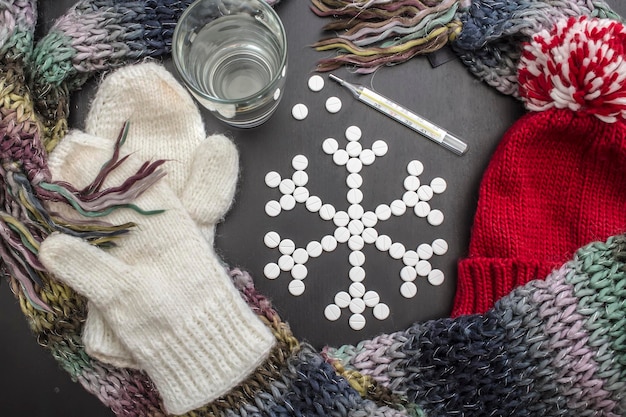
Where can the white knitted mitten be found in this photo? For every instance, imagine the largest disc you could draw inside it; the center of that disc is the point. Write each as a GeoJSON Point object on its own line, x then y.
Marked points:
{"type": "Point", "coordinates": [165, 123]}
{"type": "Point", "coordinates": [162, 290]}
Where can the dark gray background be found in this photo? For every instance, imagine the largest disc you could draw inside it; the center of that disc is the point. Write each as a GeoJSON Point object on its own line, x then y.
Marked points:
{"type": "Point", "coordinates": [32, 383]}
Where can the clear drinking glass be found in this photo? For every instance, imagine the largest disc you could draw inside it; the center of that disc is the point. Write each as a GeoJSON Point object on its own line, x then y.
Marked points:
{"type": "Point", "coordinates": [232, 56]}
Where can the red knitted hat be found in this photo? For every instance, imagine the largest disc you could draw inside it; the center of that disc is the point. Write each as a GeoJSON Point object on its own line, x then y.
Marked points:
{"type": "Point", "coordinates": [557, 180]}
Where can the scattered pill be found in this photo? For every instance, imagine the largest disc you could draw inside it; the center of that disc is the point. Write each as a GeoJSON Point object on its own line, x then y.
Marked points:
{"type": "Point", "coordinates": [286, 246]}
{"type": "Point", "coordinates": [299, 111]}
{"type": "Point", "coordinates": [415, 168]}
{"type": "Point", "coordinates": [299, 162]}
{"type": "Point", "coordinates": [398, 208]}
{"type": "Point", "coordinates": [300, 256]}
{"type": "Point", "coordinates": [408, 289]}
{"type": "Point", "coordinates": [287, 186]}
{"type": "Point", "coordinates": [313, 203]}
{"type": "Point", "coordinates": [425, 193]}
{"type": "Point", "coordinates": [356, 258]}
{"type": "Point", "coordinates": [342, 299]}
{"type": "Point", "coordinates": [369, 235]}
{"type": "Point", "coordinates": [354, 149]}
{"type": "Point", "coordinates": [341, 218]}
{"type": "Point", "coordinates": [371, 298]}
{"type": "Point", "coordinates": [355, 211]}
{"type": "Point", "coordinates": [341, 157]}
{"type": "Point", "coordinates": [369, 219]}
{"type": "Point", "coordinates": [381, 311]}
{"type": "Point", "coordinates": [356, 227]}
{"type": "Point", "coordinates": [408, 273]}
{"type": "Point", "coordinates": [357, 305]}
{"type": "Point", "coordinates": [300, 178]}
{"type": "Point", "coordinates": [314, 249]}
{"type": "Point", "coordinates": [354, 165]}
{"type": "Point", "coordinates": [354, 196]}
{"type": "Point", "coordinates": [342, 234]}
{"type": "Point", "coordinates": [296, 287]}
{"type": "Point", "coordinates": [357, 321]}
{"type": "Point", "coordinates": [356, 243]}
{"type": "Point", "coordinates": [332, 312]}
{"type": "Point", "coordinates": [425, 251]}
{"type": "Point", "coordinates": [301, 194]}
{"type": "Point", "coordinates": [438, 185]}
{"type": "Point", "coordinates": [435, 217]}
{"type": "Point", "coordinates": [410, 258]}
{"type": "Point", "coordinates": [383, 212]}
{"type": "Point", "coordinates": [272, 179]}
{"type": "Point", "coordinates": [327, 212]}
{"type": "Point", "coordinates": [422, 209]}
{"type": "Point", "coordinates": [354, 180]}
{"type": "Point", "coordinates": [410, 198]}
{"type": "Point", "coordinates": [287, 202]}
{"type": "Point", "coordinates": [353, 133]}
{"type": "Point", "coordinates": [436, 277]}
{"type": "Point", "coordinates": [272, 208]}
{"type": "Point", "coordinates": [299, 271]}
{"type": "Point", "coordinates": [333, 104]}
{"type": "Point", "coordinates": [411, 183]}
{"type": "Point", "coordinates": [329, 243]}
{"type": "Point", "coordinates": [356, 274]}
{"type": "Point", "coordinates": [397, 250]}
{"type": "Point", "coordinates": [271, 240]}
{"type": "Point", "coordinates": [367, 156]}
{"type": "Point", "coordinates": [380, 147]}
{"type": "Point", "coordinates": [423, 268]}
{"type": "Point", "coordinates": [286, 262]}
{"type": "Point", "coordinates": [440, 246]}
{"type": "Point", "coordinates": [330, 146]}
{"type": "Point", "coordinates": [271, 270]}
{"type": "Point", "coordinates": [316, 83]}
{"type": "Point", "coordinates": [383, 243]}
{"type": "Point", "coordinates": [356, 289]}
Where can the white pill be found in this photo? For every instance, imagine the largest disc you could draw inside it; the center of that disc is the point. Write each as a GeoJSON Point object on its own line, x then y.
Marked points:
{"type": "Point", "coordinates": [356, 258]}
{"type": "Point", "coordinates": [411, 183]}
{"type": "Point", "coordinates": [381, 311]}
{"type": "Point", "coordinates": [299, 111]}
{"type": "Point", "coordinates": [371, 298]}
{"type": "Point", "coordinates": [341, 157]}
{"type": "Point", "coordinates": [438, 185]}
{"type": "Point", "coordinates": [272, 208]}
{"type": "Point", "coordinates": [354, 196]}
{"type": "Point", "coordinates": [423, 268]}
{"type": "Point", "coordinates": [356, 289]}
{"type": "Point", "coordinates": [341, 218]}
{"type": "Point", "coordinates": [299, 162]}
{"type": "Point", "coordinates": [383, 243]}
{"type": "Point", "coordinates": [313, 203]}
{"type": "Point", "coordinates": [330, 146]}
{"type": "Point", "coordinates": [271, 271]}
{"type": "Point", "coordinates": [435, 217]}
{"type": "Point", "coordinates": [354, 180]}
{"type": "Point", "coordinates": [422, 209]}
{"type": "Point", "coordinates": [369, 235]}
{"type": "Point", "coordinates": [354, 165]}
{"type": "Point", "coordinates": [398, 208]}
{"type": "Point", "coordinates": [410, 198]}
{"type": "Point", "coordinates": [356, 227]}
{"type": "Point", "coordinates": [397, 250]}
{"type": "Point", "coordinates": [357, 321]}
{"type": "Point", "coordinates": [367, 156]}
{"type": "Point", "coordinates": [369, 219]}
{"type": "Point", "coordinates": [332, 312]}
{"type": "Point", "coordinates": [415, 168]}
{"type": "Point", "coordinates": [301, 194]}
{"type": "Point", "coordinates": [425, 193]}
{"type": "Point", "coordinates": [327, 211]}
{"type": "Point", "coordinates": [286, 246]}
{"type": "Point", "coordinates": [353, 133]}
{"type": "Point", "coordinates": [287, 186]}
{"type": "Point", "coordinates": [440, 246]}
{"type": "Point", "coordinates": [296, 287]}
{"type": "Point", "coordinates": [357, 305]}
{"type": "Point", "coordinates": [300, 178]}
{"type": "Point", "coordinates": [314, 249]}
{"type": "Point", "coordinates": [380, 147]}
{"type": "Point", "coordinates": [383, 212]}
{"type": "Point", "coordinates": [316, 83]}
{"type": "Point", "coordinates": [342, 299]}
{"type": "Point", "coordinates": [408, 289]}
{"type": "Point", "coordinates": [356, 243]}
{"type": "Point", "coordinates": [436, 277]}
{"type": "Point", "coordinates": [300, 256]}
{"type": "Point", "coordinates": [354, 149]}
{"type": "Point", "coordinates": [410, 258]}
{"type": "Point", "coordinates": [356, 274]}
{"type": "Point", "coordinates": [299, 271]}
{"type": "Point", "coordinates": [329, 243]}
{"type": "Point", "coordinates": [271, 240]}
{"type": "Point", "coordinates": [333, 104]}
{"type": "Point", "coordinates": [425, 251]}
{"type": "Point", "coordinates": [408, 273]}
{"type": "Point", "coordinates": [287, 202]}
{"type": "Point", "coordinates": [272, 179]}
{"type": "Point", "coordinates": [286, 262]}
{"type": "Point", "coordinates": [355, 211]}
{"type": "Point", "coordinates": [342, 234]}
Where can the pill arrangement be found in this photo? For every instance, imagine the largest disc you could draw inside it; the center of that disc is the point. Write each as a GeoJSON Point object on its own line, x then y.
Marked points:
{"type": "Point", "coordinates": [355, 226]}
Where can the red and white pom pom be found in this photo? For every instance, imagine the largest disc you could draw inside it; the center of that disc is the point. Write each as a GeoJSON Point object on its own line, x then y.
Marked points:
{"type": "Point", "coordinates": [579, 65]}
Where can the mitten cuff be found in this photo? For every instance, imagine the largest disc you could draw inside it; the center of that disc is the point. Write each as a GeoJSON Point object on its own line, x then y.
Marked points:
{"type": "Point", "coordinates": [483, 281]}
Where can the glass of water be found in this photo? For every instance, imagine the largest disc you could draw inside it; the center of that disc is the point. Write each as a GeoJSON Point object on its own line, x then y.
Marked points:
{"type": "Point", "coordinates": [232, 56]}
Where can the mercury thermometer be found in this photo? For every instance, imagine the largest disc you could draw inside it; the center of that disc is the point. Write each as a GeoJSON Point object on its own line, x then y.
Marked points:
{"type": "Point", "coordinates": [404, 116]}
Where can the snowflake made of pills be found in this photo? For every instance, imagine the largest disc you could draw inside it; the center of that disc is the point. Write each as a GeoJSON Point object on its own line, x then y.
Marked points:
{"type": "Point", "coordinates": [355, 227]}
